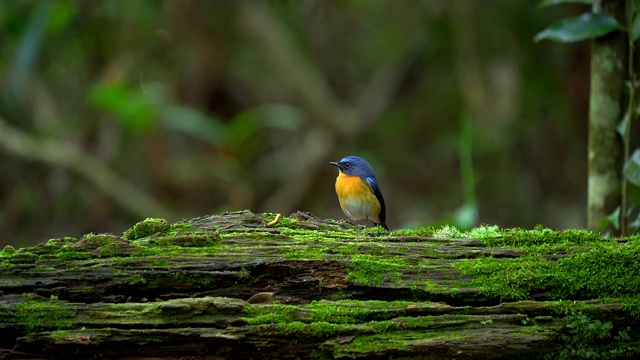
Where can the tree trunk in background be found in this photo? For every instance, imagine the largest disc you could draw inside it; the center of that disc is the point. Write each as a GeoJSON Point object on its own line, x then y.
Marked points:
{"type": "Point", "coordinates": [607, 74]}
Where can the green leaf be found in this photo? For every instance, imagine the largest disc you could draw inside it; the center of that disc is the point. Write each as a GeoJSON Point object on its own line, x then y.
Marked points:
{"type": "Point", "coordinates": [613, 219]}
{"type": "Point", "coordinates": [586, 26]}
{"type": "Point", "coordinates": [466, 216]}
{"type": "Point", "coordinates": [281, 116]}
{"type": "Point", "coordinates": [61, 16]}
{"type": "Point", "coordinates": [635, 224]}
{"type": "Point", "coordinates": [132, 110]}
{"type": "Point", "coordinates": [556, 2]}
{"type": "Point", "coordinates": [635, 28]}
{"type": "Point", "coordinates": [194, 123]}
{"type": "Point", "coordinates": [632, 168]}
{"type": "Point", "coordinates": [622, 127]}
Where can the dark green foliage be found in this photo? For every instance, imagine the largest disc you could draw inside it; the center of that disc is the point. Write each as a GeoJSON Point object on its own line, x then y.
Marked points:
{"type": "Point", "coordinates": [587, 338]}
{"type": "Point", "coordinates": [586, 26]}
{"type": "Point", "coordinates": [223, 121]}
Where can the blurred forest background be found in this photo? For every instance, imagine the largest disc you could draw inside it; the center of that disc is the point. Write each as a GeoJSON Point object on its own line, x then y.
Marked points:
{"type": "Point", "coordinates": [113, 111]}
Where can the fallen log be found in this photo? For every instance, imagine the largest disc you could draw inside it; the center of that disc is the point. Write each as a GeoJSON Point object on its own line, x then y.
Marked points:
{"type": "Point", "coordinates": [243, 286]}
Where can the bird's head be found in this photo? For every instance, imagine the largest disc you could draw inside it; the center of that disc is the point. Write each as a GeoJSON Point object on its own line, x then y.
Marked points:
{"type": "Point", "coordinates": [354, 166]}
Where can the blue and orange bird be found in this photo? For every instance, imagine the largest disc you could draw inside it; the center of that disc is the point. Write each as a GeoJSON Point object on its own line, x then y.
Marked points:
{"type": "Point", "coordinates": [358, 191]}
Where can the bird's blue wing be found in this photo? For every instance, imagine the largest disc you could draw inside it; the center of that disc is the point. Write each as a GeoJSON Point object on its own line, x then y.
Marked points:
{"type": "Point", "coordinates": [376, 190]}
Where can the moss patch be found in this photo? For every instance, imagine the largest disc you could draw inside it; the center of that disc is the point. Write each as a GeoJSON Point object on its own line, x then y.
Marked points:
{"type": "Point", "coordinates": [40, 314]}
{"type": "Point", "coordinates": [147, 227]}
{"type": "Point", "coordinates": [283, 222]}
{"type": "Point", "coordinates": [369, 270]}
{"type": "Point", "coordinates": [607, 269]}
{"type": "Point", "coordinates": [337, 312]}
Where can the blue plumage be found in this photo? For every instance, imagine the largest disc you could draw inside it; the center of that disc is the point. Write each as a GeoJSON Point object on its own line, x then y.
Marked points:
{"type": "Point", "coordinates": [358, 191]}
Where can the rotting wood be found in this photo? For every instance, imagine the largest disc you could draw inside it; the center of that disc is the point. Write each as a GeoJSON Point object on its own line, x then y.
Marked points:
{"type": "Point", "coordinates": [230, 287]}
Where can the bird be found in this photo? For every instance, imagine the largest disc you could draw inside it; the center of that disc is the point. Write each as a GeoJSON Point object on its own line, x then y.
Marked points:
{"type": "Point", "coordinates": [358, 191]}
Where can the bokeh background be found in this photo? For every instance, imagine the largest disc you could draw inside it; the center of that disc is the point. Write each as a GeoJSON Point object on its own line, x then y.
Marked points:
{"type": "Point", "coordinates": [113, 111]}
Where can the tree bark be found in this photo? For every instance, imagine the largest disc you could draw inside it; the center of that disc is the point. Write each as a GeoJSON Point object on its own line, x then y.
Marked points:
{"type": "Point", "coordinates": [233, 287]}
{"type": "Point", "coordinates": [605, 113]}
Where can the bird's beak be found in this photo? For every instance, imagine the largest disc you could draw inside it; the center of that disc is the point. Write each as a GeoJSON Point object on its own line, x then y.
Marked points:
{"type": "Point", "coordinates": [335, 164]}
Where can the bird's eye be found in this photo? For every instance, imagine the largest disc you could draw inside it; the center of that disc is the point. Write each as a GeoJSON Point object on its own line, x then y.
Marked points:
{"type": "Point", "coordinates": [346, 165]}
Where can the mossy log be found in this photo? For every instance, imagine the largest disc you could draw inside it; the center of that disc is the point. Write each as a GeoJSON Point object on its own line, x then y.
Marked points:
{"type": "Point", "coordinates": [233, 286]}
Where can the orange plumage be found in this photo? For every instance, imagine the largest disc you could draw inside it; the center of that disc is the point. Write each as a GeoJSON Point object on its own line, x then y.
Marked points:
{"type": "Point", "coordinates": [357, 198]}
{"type": "Point", "coordinates": [358, 191]}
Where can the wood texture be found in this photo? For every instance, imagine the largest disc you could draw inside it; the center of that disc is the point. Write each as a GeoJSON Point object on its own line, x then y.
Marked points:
{"type": "Point", "coordinates": [229, 287]}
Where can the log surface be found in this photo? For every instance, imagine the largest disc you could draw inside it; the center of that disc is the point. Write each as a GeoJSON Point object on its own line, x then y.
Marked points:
{"type": "Point", "coordinates": [230, 286]}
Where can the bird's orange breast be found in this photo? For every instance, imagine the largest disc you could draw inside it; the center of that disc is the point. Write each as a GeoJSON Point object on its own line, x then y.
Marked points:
{"type": "Point", "coordinates": [351, 186]}
{"type": "Point", "coordinates": [356, 197]}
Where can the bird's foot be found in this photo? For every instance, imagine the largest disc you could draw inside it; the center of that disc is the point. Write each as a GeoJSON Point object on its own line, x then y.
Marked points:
{"type": "Point", "coordinates": [353, 223]}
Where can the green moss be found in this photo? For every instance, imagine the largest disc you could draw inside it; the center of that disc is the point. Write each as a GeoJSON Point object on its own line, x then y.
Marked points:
{"type": "Point", "coordinates": [146, 228]}
{"type": "Point", "coordinates": [60, 336]}
{"type": "Point", "coordinates": [94, 240]}
{"type": "Point", "coordinates": [324, 329]}
{"type": "Point", "coordinates": [430, 287]}
{"type": "Point", "coordinates": [137, 279]}
{"type": "Point", "coordinates": [148, 249]}
{"type": "Point", "coordinates": [309, 253]}
{"type": "Point", "coordinates": [422, 231]}
{"type": "Point", "coordinates": [327, 320]}
{"type": "Point", "coordinates": [607, 269]}
{"type": "Point", "coordinates": [181, 226]}
{"type": "Point", "coordinates": [37, 315]}
{"type": "Point", "coordinates": [291, 328]}
{"type": "Point", "coordinates": [59, 242]}
{"type": "Point", "coordinates": [90, 290]}
{"type": "Point", "coordinates": [377, 231]}
{"type": "Point", "coordinates": [485, 232]}
{"type": "Point", "coordinates": [175, 279]}
{"type": "Point", "coordinates": [68, 255]}
{"type": "Point", "coordinates": [189, 239]}
{"type": "Point", "coordinates": [314, 245]}
{"type": "Point", "coordinates": [542, 236]}
{"type": "Point", "coordinates": [158, 262]}
{"type": "Point", "coordinates": [283, 222]}
{"type": "Point", "coordinates": [371, 344]}
{"type": "Point", "coordinates": [366, 269]}
{"type": "Point", "coordinates": [301, 234]}
{"type": "Point", "coordinates": [449, 232]}
{"type": "Point", "coordinates": [8, 250]}
{"type": "Point", "coordinates": [506, 278]}
{"type": "Point", "coordinates": [580, 236]}
{"type": "Point", "coordinates": [336, 312]}
{"type": "Point", "coordinates": [571, 307]}
{"type": "Point", "coordinates": [24, 256]}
